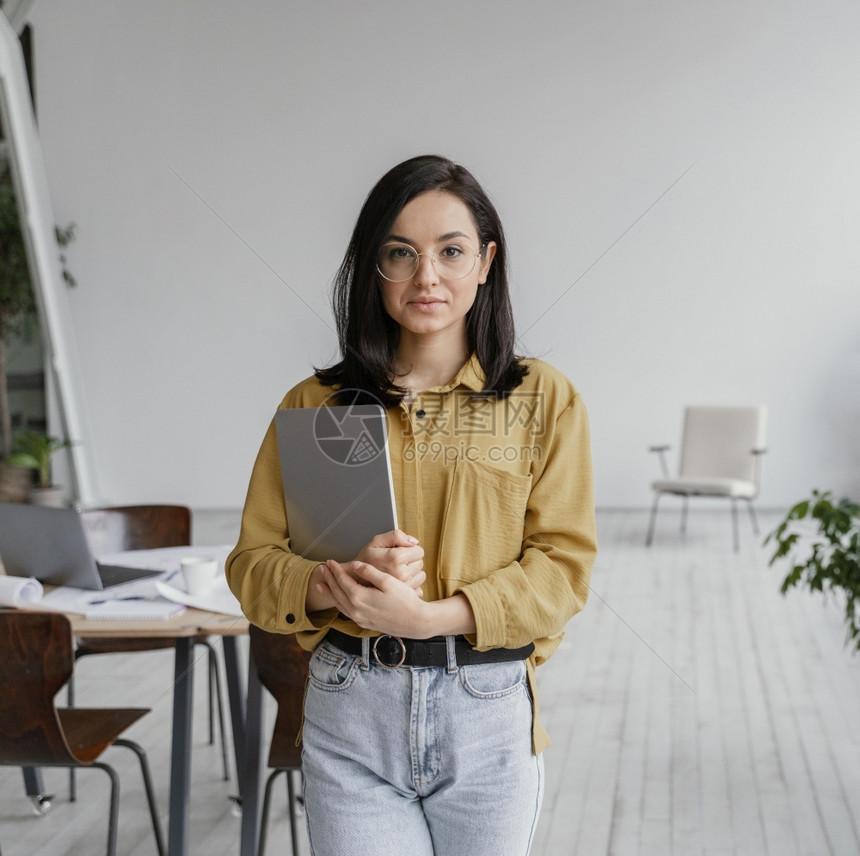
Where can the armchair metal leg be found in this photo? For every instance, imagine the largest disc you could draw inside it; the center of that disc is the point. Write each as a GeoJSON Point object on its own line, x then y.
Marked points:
{"type": "Point", "coordinates": [753, 519]}
{"type": "Point", "coordinates": [650, 536]}
{"type": "Point", "coordinates": [735, 535]}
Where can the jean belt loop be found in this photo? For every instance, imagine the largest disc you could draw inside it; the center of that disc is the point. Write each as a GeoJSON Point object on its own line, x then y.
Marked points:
{"type": "Point", "coordinates": [365, 653]}
{"type": "Point", "coordinates": [450, 645]}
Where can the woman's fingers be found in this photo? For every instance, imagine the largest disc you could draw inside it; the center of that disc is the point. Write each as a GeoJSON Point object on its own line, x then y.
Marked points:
{"type": "Point", "coordinates": [373, 598]}
{"type": "Point", "coordinates": [394, 538]}
{"type": "Point", "coordinates": [345, 589]}
{"type": "Point", "coordinates": [393, 552]}
{"type": "Point", "coordinates": [364, 593]}
{"type": "Point", "coordinates": [331, 579]}
{"type": "Point", "coordinates": [370, 574]}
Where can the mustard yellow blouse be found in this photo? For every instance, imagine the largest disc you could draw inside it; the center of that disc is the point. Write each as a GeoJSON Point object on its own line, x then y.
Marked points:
{"type": "Point", "coordinates": [498, 492]}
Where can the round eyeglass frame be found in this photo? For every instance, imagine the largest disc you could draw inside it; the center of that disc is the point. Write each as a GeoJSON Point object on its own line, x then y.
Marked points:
{"type": "Point", "coordinates": [434, 257]}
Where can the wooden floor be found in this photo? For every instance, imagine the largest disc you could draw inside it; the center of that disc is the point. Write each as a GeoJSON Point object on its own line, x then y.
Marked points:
{"type": "Point", "coordinates": [693, 710]}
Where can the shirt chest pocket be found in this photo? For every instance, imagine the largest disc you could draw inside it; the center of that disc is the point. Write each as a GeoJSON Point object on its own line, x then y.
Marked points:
{"type": "Point", "coordinates": [482, 526]}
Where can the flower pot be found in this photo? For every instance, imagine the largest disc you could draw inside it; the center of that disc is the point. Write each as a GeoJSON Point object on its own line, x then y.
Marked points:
{"type": "Point", "coordinates": [47, 496]}
{"type": "Point", "coordinates": [14, 483]}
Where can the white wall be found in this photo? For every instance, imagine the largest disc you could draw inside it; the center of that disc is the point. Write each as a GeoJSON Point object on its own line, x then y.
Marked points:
{"type": "Point", "coordinates": [679, 182]}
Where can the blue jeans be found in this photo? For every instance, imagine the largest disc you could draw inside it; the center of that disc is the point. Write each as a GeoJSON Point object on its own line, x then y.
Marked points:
{"type": "Point", "coordinates": [418, 761]}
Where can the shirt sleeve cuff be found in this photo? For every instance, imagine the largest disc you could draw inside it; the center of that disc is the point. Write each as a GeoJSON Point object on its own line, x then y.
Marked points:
{"type": "Point", "coordinates": [489, 613]}
{"type": "Point", "coordinates": [292, 616]}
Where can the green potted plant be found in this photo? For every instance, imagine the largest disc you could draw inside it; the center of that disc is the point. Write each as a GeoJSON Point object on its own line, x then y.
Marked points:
{"type": "Point", "coordinates": [826, 559]}
{"type": "Point", "coordinates": [34, 450]}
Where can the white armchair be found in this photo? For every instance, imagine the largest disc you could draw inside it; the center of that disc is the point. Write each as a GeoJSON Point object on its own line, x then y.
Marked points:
{"type": "Point", "coordinates": [721, 451]}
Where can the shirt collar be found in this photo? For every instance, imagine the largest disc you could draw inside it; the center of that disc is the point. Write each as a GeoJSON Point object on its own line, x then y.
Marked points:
{"type": "Point", "coordinates": [471, 375]}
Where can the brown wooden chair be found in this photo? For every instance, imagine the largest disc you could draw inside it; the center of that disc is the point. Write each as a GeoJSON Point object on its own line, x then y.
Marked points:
{"type": "Point", "coordinates": [141, 527]}
{"type": "Point", "coordinates": [282, 665]}
{"type": "Point", "coordinates": [36, 662]}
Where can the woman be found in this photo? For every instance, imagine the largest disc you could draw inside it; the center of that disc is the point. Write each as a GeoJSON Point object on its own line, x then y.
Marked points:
{"type": "Point", "coordinates": [421, 731]}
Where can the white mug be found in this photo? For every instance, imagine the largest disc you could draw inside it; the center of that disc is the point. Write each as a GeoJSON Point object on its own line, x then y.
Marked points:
{"type": "Point", "coordinates": [199, 574]}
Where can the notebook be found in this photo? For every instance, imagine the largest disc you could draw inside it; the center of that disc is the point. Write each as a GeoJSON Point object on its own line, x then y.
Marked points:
{"type": "Point", "coordinates": [50, 544]}
{"type": "Point", "coordinates": [134, 610]}
{"type": "Point", "coordinates": [337, 478]}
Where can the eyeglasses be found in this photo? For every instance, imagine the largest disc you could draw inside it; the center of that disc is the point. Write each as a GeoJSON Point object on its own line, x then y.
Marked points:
{"type": "Point", "coordinates": [399, 262]}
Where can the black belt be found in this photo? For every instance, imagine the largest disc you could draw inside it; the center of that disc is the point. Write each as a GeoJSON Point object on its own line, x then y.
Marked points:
{"type": "Point", "coordinates": [392, 651]}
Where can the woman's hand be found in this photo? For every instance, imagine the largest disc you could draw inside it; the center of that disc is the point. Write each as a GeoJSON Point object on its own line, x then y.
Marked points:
{"type": "Point", "coordinates": [374, 599]}
{"type": "Point", "coordinates": [394, 553]}
{"type": "Point", "coordinates": [378, 601]}
{"type": "Point", "coordinates": [397, 554]}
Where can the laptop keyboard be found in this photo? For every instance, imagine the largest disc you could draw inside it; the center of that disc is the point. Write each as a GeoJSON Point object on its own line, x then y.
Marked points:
{"type": "Point", "coordinates": [114, 575]}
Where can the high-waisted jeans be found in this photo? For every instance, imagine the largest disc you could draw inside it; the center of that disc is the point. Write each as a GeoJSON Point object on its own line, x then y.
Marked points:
{"type": "Point", "coordinates": [418, 761]}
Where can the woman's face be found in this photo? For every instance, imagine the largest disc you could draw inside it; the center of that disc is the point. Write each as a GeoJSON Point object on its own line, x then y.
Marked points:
{"type": "Point", "coordinates": [430, 303]}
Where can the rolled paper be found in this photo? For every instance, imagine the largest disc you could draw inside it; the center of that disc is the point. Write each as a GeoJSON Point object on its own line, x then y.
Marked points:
{"type": "Point", "coordinates": [19, 591]}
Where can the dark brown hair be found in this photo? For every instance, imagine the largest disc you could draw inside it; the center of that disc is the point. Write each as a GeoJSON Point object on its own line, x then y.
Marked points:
{"type": "Point", "coordinates": [368, 336]}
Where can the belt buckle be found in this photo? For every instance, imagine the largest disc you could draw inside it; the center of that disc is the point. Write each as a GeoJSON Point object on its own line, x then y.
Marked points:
{"type": "Point", "coordinates": [389, 652]}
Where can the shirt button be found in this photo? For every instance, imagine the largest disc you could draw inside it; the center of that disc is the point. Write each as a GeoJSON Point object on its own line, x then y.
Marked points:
{"type": "Point", "coordinates": [420, 414]}
{"type": "Point", "coordinates": [291, 619]}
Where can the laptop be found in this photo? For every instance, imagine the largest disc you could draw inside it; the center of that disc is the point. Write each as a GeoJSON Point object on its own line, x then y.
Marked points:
{"type": "Point", "coordinates": [337, 478]}
{"type": "Point", "coordinates": [51, 545]}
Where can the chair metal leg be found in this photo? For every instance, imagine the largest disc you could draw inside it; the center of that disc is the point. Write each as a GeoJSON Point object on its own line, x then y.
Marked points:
{"type": "Point", "coordinates": [264, 816]}
{"type": "Point", "coordinates": [113, 813]}
{"type": "Point", "coordinates": [291, 799]}
{"type": "Point", "coordinates": [236, 703]}
{"type": "Point", "coordinates": [753, 519]}
{"type": "Point", "coordinates": [42, 804]}
{"type": "Point", "coordinates": [735, 535]}
{"type": "Point", "coordinates": [34, 786]}
{"type": "Point", "coordinates": [685, 502]}
{"type": "Point", "coordinates": [291, 805]}
{"type": "Point", "coordinates": [147, 785]}
{"type": "Point", "coordinates": [650, 536]}
{"type": "Point", "coordinates": [216, 705]}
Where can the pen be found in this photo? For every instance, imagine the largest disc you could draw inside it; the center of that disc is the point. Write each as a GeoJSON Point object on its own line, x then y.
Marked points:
{"type": "Point", "coordinates": [110, 599]}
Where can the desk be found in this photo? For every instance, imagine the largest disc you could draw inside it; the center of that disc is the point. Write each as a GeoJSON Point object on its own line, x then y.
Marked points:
{"type": "Point", "coordinates": [183, 628]}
